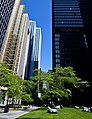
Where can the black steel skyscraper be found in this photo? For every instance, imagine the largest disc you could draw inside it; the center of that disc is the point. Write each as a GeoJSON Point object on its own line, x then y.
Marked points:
{"type": "Point", "coordinates": [86, 13]}
{"type": "Point", "coordinates": [71, 35]}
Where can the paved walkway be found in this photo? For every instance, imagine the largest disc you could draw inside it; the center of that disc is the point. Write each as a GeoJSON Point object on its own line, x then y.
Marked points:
{"type": "Point", "coordinates": [15, 114]}
{"type": "Point", "coordinates": [12, 114]}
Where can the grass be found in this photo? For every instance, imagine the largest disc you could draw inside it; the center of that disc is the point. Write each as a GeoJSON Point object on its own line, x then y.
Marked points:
{"type": "Point", "coordinates": [65, 113]}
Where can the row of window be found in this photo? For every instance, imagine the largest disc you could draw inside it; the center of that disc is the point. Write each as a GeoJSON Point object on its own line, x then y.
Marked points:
{"type": "Point", "coordinates": [67, 13]}
{"type": "Point", "coordinates": [56, 39]}
{"type": "Point", "coordinates": [64, 11]}
{"type": "Point", "coordinates": [66, 3]}
{"type": "Point", "coordinates": [67, 16]}
{"type": "Point", "coordinates": [68, 25]}
{"type": "Point", "coordinates": [66, 8]}
{"type": "Point", "coordinates": [7, 1]}
{"type": "Point", "coordinates": [57, 51]}
{"type": "Point", "coordinates": [69, 20]}
{"type": "Point", "coordinates": [57, 47]}
{"type": "Point", "coordinates": [5, 11]}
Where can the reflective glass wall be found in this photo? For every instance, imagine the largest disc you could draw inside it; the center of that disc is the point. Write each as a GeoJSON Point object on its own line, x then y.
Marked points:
{"type": "Point", "coordinates": [69, 40]}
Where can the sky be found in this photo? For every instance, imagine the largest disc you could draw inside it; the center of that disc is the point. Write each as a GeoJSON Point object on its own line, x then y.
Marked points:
{"type": "Point", "coordinates": [40, 11]}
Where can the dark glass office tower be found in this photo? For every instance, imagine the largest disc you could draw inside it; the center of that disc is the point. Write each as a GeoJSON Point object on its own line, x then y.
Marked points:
{"type": "Point", "coordinates": [86, 13]}
{"type": "Point", "coordinates": [6, 7]}
{"type": "Point", "coordinates": [71, 44]}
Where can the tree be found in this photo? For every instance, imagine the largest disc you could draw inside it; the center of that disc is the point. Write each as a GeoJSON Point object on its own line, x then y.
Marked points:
{"type": "Point", "coordinates": [5, 74]}
{"type": "Point", "coordinates": [59, 85]}
{"type": "Point", "coordinates": [17, 88]}
{"type": "Point", "coordinates": [37, 84]}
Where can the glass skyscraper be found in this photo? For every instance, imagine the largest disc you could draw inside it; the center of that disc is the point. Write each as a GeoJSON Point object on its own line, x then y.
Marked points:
{"type": "Point", "coordinates": [33, 60]}
{"type": "Point", "coordinates": [69, 38]}
{"type": "Point", "coordinates": [6, 7]}
{"type": "Point", "coordinates": [86, 13]}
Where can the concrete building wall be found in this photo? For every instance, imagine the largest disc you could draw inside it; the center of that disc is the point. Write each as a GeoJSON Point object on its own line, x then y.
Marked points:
{"type": "Point", "coordinates": [17, 32]}
{"type": "Point", "coordinates": [9, 28]}
{"type": "Point", "coordinates": [24, 47]}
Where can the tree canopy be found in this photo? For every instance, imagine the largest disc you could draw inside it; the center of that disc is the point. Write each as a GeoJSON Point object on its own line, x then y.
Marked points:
{"type": "Point", "coordinates": [58, 85]}
{"type": "Point", "coordinates": [17, 88]}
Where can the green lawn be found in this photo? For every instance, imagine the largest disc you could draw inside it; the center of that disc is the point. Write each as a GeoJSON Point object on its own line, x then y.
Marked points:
{"type": "Point", "coordinates": [65, 113]}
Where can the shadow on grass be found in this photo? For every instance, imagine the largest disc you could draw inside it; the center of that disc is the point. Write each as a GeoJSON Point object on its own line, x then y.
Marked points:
{"type": "Point", "coordinates": [34, 118]}
{"type": "Point", "coordinates": [41, 108]}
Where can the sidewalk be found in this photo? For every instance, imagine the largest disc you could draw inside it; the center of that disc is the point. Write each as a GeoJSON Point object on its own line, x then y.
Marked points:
{"type": "Point", "coordinates": [12, 114]}
{"type": "Point", "coordinates": [15, 114]}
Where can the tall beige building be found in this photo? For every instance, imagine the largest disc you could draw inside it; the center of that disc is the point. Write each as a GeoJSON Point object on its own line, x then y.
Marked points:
{"type": "Point", "coordinates": [19, 49]}
{"type": "Point", "coordinates": [9, 42]}
{"type": "Point", "coordinates": [6, 7]}
{"type": "Point", "coordinates": [16, 40]}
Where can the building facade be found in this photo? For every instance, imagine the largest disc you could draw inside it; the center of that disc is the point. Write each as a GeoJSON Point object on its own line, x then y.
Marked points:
{"type": "Point", "coordinates": [30, 62]}
{"type": "Point", "coordinates": [33, 60]}
{"type": "Point", "coordinates": [20, 42]}
{"type": "Point", "coordinates": [37, 47]}
{"type": "Point", "coordinates": [20, 39]}
{"type": "Point", "coordinates": [86, 13]}
{"type": "Point", "coordinates": [69, 38]}
{"type": "Point", "coordinates": [13, 43]}
{"type": "Point", "coordinates": [24, 47]}
{"type": "Point", "coordinates": [6, 7]}
{"type": "Point", "coordinates": [10, 25]}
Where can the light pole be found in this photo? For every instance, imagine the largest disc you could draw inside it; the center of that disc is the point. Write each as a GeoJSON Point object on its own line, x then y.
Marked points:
{"type": "Point", "coordinates": [39, 94]}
